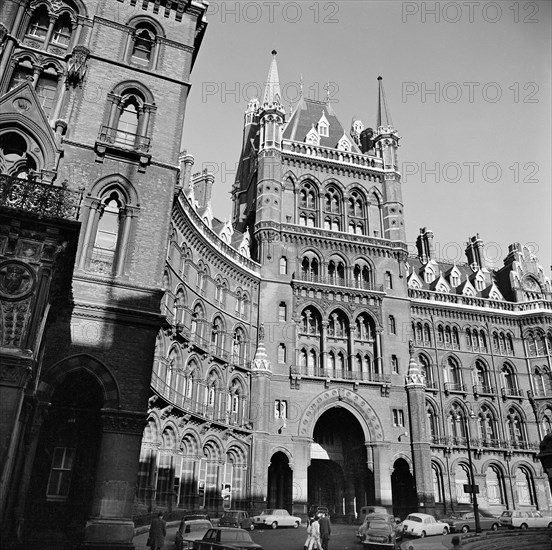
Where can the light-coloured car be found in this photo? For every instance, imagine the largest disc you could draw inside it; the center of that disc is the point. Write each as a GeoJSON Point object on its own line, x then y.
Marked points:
{"type": "Point", "coordinates": [189, 531]}
{"type": "Point", "coordinates": [524, 519]}
{"type": "Point", "coordinates": [274, 517]}
{"type": "Point", "coordinates": [423, 525]}
{"type": "Point", "coordinates": [465, 521]}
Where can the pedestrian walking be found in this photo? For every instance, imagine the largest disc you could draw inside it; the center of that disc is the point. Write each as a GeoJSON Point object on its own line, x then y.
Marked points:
{"type": "Point", "coordinates": [313, 536]}
{"type": "Point", "coordinates": [456, 542]}
{"type": "Point", "coordinates": [325, 531]}
{"type": "Point", "coordinates": [157, 532]}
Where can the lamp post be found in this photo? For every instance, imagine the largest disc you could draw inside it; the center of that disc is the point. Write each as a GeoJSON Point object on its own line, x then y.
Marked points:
{"type": "Point", "coordinates": [472, 476]}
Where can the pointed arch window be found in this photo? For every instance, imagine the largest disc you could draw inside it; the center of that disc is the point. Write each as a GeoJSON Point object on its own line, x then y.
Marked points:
{"type": "Point", "coordinates": [47, 90]}
{"type": "Point", "coordinates": [509, 380]}
{"type": "Point", "coordinates": [516, 428]}
{"type": "Point", "coordinates": [39, 23]}
{"type": "Point", "coordinates": [238, 347]}
{"type": "Point", "coordinates": [111, 216]}
{"type": "Point", "coordinates": [62, 30]}
{"type": "Point", "coordinates": [453, 377]}
{"type": "Point", "coordinates": [308, 205]}
{"type": "Point", "coordinates": [374, 216]}
{"type": "Point", "coordinates": [432, 425]}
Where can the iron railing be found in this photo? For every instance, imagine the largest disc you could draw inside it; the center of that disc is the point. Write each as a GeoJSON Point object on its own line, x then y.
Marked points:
{"type": "Point", "coordinates": [42, 199]}
{"type": "Point", "coordinates": [124, 140]}
{"type": "Point", "coordinates": [340, 374]}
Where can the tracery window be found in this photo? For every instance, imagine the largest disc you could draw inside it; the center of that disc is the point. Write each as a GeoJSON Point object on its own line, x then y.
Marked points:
{"type": "Point", "coordinates": [308, 205]}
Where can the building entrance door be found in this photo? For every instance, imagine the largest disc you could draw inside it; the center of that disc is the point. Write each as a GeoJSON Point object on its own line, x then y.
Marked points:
{"type": "Point", "coordinates": [280, 480]}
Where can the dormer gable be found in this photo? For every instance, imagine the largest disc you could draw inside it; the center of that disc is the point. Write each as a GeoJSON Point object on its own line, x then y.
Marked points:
{"type": "Point", "coordinates": [492, 293]}
{"type": "Point", "coordinates": [478, 280]}
{"type": "Point", "coordinates": [313, 137]}
{"type": "Point", "coordinates": [414, 281]}
{"type": "Point", "coordinates": [441, 285]}
{"type": "Point", "coordinates": [344, 144]}
{"type": "Point", "coordinates": [225, 231]}
{"type": "Point", "coordinates": [467, 289]}
{"type": "Point", "coordinates": [430, 272]}
{"type": "Point", "coordinates": [454, 277]}
{"type": "Point", "coordinates": [206, 215]}
{"type": "Point", "coordinates": [323, 126]}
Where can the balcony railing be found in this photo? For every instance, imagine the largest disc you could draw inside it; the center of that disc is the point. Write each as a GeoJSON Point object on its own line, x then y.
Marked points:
{"type": "Point", "coordinates": [511, 392]}
{"type": "Point", "coordinates": [42, 199]}
{"type": "Point", "coordinates": [455, 386]}
{"type": "Point", "coordinates": [215, 414]}
{"type": "Point", "coordinates": [340, 374]}
{"type": "Point", "coordinates": [337, 281]}
{"type": "Point", "coordinates": [124, 140]}
{"type": "Point", "coordinates": [483, 389]}
{"type": "Point", "coordinates": [483, 443]}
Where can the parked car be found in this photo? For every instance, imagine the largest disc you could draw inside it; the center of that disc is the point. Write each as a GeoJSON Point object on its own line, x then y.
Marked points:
{"type": "Point", "coordinates": [195, 514]}
{"type": "Point", "coordinates": [189, 531]}
{"type": "Point", "coordinates": [465, 521]}
{"type": "Point", "coordinates": [237, 518]}
{"type": "Point", "coordinates": [224, 537]}
{"type": "Point", "coordinates": [379, 531]}
{"type": "Point", "coordinates": [276, 518]}
{"type": "Point", "coordinates": [371, 510]}
{"type": "Point", "coordinates": [524, 519]}
{"type": "Point", "coordinates": [422, 525]}
{"type": "Point", "coordinates": [317, 511]}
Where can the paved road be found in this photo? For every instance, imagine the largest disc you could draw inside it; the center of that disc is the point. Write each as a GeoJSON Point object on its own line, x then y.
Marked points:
{"type": "Point", "coordinates": [343, 538]}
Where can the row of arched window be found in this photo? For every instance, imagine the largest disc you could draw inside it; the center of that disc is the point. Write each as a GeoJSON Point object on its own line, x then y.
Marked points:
{"type": "Point", "coordinates": [357, 213]}
{"type": "Point", "coordinates": [189, 473]}
{"type": "Point", "coordinates": [183, 384]}
{"type": "Point", "coordinates": [495, 493]}
{"type": "Point", "coordinates": [337, 271]}
{"type": "Point", "coordinates": [485, 428]}
{"type": "Point", "coordinates": [482, 379]}
{"type": "Point", "coordinates": [448, 336]}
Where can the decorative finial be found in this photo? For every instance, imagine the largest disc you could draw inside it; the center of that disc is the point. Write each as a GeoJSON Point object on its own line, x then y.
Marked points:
{"type": "Point", "coordinates": [274, 52]}
{"type": "Point", "coordinates": [380, 78]}
{"type": "Point", "coordinates": [261, 332]}
{"type": "Point", "coordinates": [411, 347]}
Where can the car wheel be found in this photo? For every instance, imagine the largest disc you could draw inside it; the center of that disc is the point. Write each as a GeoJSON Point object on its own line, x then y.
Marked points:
{"type": "Point", "coordinates": [274, 525]}
{"type": "Point", "coordinates": [445, 531]}
{"type": "Point", "coordinates": [252, 527]}
{"type": "Point", "coordinates": [295, 525]}
{"type": "Point", "coordinates": [465, 528]}
{"type": "Point", "coordinates": [550, 525]}
{"type": "Point", "coordinates": [422, 534]}
{"type": "Point", "coordinates": [523, 526]}
{"type": "Point", "coordinates": [495, 526]}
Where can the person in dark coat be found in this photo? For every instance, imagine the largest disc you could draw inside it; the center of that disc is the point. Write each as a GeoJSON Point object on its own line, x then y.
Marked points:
{"type": "Point", "coordinates": [157, 532]}
{"type": "Point", "coordinates": [325, 531]}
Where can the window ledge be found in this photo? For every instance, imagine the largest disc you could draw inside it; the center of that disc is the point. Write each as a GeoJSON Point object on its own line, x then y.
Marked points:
{"type": "Point", "coordinates": [123, 144]}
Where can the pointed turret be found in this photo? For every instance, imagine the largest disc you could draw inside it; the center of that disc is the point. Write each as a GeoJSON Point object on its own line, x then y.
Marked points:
{"type": "Point", "coordinates": [272, 94]}
{"type": "Point", "coordinates": [383, 115]}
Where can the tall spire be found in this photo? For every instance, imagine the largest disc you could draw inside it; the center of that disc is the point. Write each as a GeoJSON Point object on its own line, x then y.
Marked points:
{"type": "Point", "coordinates": [272, 92]}
{"type": "Point", "coordinates": [384, 116]}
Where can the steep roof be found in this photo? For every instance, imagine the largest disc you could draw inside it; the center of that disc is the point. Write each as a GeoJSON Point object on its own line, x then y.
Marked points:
{"type": "Point", "coordinates": [309, 112]}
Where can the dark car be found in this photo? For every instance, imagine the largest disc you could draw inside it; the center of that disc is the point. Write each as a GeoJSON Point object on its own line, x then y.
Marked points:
{"type": "Point", "coordinates": [381, 533]}
{"type": "Point", "coordinates": [465, 521]}
{"type": "Point", "coordinates": [223, 537]}
{"type": "Point", "coordinates": [316, 511]}
{"type": "Point", "coordinates": [237, 518]}
{"type": "Point", "coordinates": [189, 531]}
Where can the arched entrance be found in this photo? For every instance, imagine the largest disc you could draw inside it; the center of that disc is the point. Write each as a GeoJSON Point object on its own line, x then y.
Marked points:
{"type": "Point", "coordinates": [280, 481]}
{"type": "Point", "coordinates": [64, 469]}
{"type": "Point", "coordinates": [338, 476]}
{"type": "Point", "coordinates": [403, 487]}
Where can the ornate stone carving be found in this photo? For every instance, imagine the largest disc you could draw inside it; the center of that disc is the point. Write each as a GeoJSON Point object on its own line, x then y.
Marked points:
{"type": "Point", "coordinates": [77, 66]}
{"type": "Point", "coordinates": [128, 422]}
{"type": "Point", "coordinates": [16, 280]}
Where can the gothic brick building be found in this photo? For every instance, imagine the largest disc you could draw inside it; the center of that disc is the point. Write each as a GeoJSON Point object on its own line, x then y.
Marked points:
{"type": "Point", "coordinates": [278, 370]}
{"type": "Point", "coordinates": [284, 375]}
{"type": "Point", "coordinates": [92, 100]}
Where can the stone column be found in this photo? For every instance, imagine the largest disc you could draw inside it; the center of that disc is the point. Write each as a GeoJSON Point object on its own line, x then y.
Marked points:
{"type": "Point", "coordinates": [324, 347]}
{"type": "Point", "coordinates": [382, 473]}
{"type": "Point", "coordinates": [301, 463]}
{"type": "Point", "coordinates": [110, 525]}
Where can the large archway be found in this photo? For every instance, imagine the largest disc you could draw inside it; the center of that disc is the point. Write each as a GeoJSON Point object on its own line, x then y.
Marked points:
{"type": "Point", "coordinates": [280, 482]}
{"type": "Point", "coordinates": [338, 476]}
{"type": "Point", "coordinates": [403, 487]}
{"type": "Point", "coordinates": [64, 470]}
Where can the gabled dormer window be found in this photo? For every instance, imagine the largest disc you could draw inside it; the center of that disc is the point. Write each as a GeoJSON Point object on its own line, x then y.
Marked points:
{"type": "Point", "coordinates": [344, 144]}
{"type": "Point", "coordinates": [323, 126]}
{"type": "Point", "coordinates": [39, 23]}
{"type": "Point", "coordinates": [313, 137]}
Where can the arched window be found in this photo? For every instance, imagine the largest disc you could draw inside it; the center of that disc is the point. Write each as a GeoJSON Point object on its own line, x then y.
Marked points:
{"type": "Point", "coordinates": [438, 484]}
{"type": "Point", "coordinates": [525, 487]}
{"type": "Point", "coordinates": [336, 271]}
{"type": "Point", "coordinates": [547, 421]}
{"type": "Point", "coordinates": [509, 380]}
{"type": "Point", "coordinates": [427, 371]}
{"type": "Point", "coordinates": [283, 265]}
{"type": "Point", "coordinates": [107, 234]}
{"type": "Point", "coordinates": [309, 268]}
{"type": "Point", "coordinates": [282, 353]}
{"type": "Point", "coordinates": [311, 322]}
{"type": "Point", "coordinates": [496, 487]}
{"type": "Point", "coordinates": [17, 155]}
{"type": "Point", "coordinates": [392, 325]}
{"type": "Point", "coordinates": [481, 378]}
{"type": "Point", "coordinates": [456, 422]}
{"type": "Point", "coordinates": [374, 216]}
{"type": "Point", "coordinates": [308, 205]}
{"type": "Point", "coordinates": [332, 210]}
{"type": "Point", "coordinates": [432, 424]}
{"type": "Point", "coordinates": [217, 336]}
{"type": "Point", "coordinates": [198, 323]}
{"type": "Point", "coordinates": [62, 30]}
{"type": "Point", "coordinates": [338, 325]}
{"type": "Point", "coordinates": [453, 377]}
{"type": "Point", "coordinates": [191, 374]}
{"type": "Point", "coordinates": [427, 334]}
{"type": "Point", "coordinates": [364, 328]}
{"type": "Point", "coordinates": [362, 274]}
{"type": "Point", "coordinates": [517, 432]}
{"type": "Point", "coordinates": [542, 381]}
{"type": "Point", "coordinates": [238, 347]}
{"type": "Point", "coordinates": [38, 26]}
{"type": "Point", "coordinates": [143, 44]}
{"type": "Point", "coordinates": [487, 427]}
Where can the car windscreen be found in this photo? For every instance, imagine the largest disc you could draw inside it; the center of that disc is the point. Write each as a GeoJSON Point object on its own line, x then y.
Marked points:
{"type": "Point", "coordinates": [230, 515]}
{"type": "Point", "coordinates": [268, 512]}
{"type": "Point", "coordinates": [195, 527]}
{"type": "Point", "coordinates": [414, 518]}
